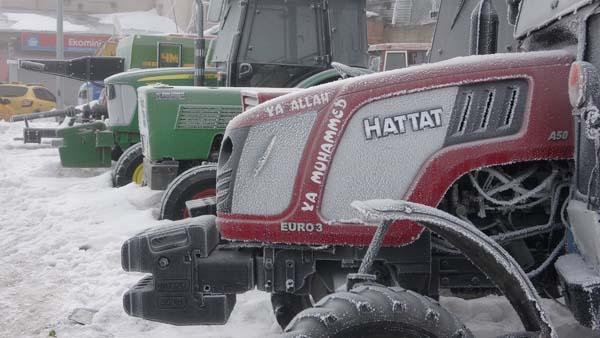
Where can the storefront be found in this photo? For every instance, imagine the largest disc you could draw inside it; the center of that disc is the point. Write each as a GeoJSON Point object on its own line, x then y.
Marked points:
{"type": "Point", "coordinates": [42, 45]}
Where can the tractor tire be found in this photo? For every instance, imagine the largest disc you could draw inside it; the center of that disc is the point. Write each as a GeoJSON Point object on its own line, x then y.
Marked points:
{"type": "Point", "coordinates": [376, 311]}
{"type": "Point", "coordinates": [115, 153]}
{"type": "Point", "coordinates": [194, 183]}
{"type": "Point", "coordinates": [130, 167]}
{"type": "Point", "coordinates": [286, 306]}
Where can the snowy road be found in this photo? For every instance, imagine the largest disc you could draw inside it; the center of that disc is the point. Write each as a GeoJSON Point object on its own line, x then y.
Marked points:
{"type": "Point", "coordinates": [60, 237]}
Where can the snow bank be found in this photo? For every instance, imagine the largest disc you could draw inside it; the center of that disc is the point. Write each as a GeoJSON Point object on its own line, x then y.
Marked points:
{"type": "Point", "coordinates": [37, 22]}
{"type": "Point", "coordinates": [492, 316]}
{"type": "Point", "coordinates": [60, 236]}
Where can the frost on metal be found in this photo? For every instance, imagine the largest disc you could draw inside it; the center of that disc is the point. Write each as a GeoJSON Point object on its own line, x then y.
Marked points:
{"type": "Point", "coordinates": [577, 272]}
{"type": "Point", "coordinates": [400, 163]}
{"type": "Point", "coordinates": [272, 154]}
{"type": "Point", "coordinates": [483, 251]}
{"type": "Point", "coordinates": [261, 161]}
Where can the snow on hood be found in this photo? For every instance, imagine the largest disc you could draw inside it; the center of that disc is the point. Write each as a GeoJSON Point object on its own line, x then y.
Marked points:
{"type": "Point", "coordinates": [459, 65]}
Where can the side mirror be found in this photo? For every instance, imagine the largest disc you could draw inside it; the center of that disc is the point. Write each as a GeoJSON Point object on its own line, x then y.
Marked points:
{"type": "Point", "coordinates": [245, 71]}
{"type": "Point", "coordinates": [584, 84]}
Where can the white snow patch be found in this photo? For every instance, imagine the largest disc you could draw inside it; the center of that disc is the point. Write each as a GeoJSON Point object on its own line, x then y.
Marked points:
{"type": "Point", "coordinates": [492, 316]}
{"type": "Point", "coordinates": [61, 230]}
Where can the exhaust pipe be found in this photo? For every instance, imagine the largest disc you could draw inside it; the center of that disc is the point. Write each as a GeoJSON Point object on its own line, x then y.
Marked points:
{"type": "Point", "coordinates": [484, 29]}
{"type": "Point", "coordinates": [200, 50]}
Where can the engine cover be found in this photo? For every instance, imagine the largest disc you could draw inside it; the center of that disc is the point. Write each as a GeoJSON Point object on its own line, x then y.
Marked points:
{"type": "Point", "coordinates": [290, 168]}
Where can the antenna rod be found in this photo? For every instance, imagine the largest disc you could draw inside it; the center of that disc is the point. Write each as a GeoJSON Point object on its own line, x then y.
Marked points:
{"type": "Point", "coordinates": [200, 51]}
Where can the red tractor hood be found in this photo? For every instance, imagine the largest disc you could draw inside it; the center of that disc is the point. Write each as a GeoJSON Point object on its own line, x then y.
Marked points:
{"type": "Point", "coordinates": [453, 71]}
{"type": "Point", "coordinates": [424, 113]}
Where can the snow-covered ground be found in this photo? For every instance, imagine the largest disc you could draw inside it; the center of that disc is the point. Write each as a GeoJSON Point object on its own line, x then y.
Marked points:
{"type": "Point", "coordinates": [60, 236]}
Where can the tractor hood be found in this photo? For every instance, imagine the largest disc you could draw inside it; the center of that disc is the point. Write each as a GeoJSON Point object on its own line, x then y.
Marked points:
{"type": "Point", "coordinates": [420, 77]}
{"type": "Point", "coordinates": [290, 168]}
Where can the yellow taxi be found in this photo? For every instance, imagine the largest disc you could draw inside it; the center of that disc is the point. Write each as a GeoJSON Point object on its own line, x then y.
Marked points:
{"type": "Point", "coordinates": [18, 98]}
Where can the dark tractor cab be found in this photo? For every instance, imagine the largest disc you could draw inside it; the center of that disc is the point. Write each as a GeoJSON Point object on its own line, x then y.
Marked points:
{"type": "Point", "coordinates": [572, 25]}
{"type": "Point", "coordinates": [264, 42]}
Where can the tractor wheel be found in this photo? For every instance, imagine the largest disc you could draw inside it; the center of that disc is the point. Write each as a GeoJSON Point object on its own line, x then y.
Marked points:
{"type": "Point", "coordinates": [130, 167]}
{"type": "Point", "coordinates": [115, 153]}
{"type": "Point", "coordinates": [376, 311]}
{"type": "Point", "coordinates": [286, 305]}
{"type": "Point", "coordinates": [194, 183]}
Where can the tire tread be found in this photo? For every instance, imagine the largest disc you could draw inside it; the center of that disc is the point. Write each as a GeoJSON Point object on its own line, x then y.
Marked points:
{"type": "Point", "coordinates": [128, 161]}
{"type": "Point", "coordinates": [371, 304]}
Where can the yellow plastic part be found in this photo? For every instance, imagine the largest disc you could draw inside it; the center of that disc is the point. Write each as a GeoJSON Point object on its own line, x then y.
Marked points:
{"type": "Point", "coordinates": [138, 175]}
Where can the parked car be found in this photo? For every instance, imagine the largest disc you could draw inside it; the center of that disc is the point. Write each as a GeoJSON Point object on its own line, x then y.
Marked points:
{"type": "Point", "coordinates": [19, 98]}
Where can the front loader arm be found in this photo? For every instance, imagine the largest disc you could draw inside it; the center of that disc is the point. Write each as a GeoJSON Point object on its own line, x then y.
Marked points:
{"type": "Point", "coordinates": [86, 68]}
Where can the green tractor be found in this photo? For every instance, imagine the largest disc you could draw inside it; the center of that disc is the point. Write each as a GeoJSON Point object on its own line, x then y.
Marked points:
{"type": "Point", "coordinates": [86, 143]}
{"type": "Point", "coordinates": [97, 144]}
{"type": "Point", "coordinates": [262, 43]}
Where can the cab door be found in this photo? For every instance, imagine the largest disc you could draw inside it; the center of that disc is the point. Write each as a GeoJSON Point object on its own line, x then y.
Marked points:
{"type": "Point", "coordinates": [282, 43]}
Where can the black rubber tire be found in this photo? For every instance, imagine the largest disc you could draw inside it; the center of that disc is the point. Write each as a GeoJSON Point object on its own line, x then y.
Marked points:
{"type": "Point", "coordinates": [115, 153]}
{"type": "Point", "coordinates": [184, 187]}
{"type": "Point", "coordinates": [286, 306]}
{"type": "Point", "coordinates": [130, 159]}
{"type": "Point", "coordinates": [378, 312]}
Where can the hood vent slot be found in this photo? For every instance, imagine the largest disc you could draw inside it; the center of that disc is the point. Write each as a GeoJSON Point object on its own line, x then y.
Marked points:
{"type": "Point", "coordinates": [465, 113]}
{"type": "Point", "coordinates": [514, 93]}
{"type": "Point", "coordinates": [487, 110]}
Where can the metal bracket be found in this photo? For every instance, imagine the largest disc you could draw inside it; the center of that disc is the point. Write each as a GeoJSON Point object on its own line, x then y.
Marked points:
{"type": "Point", "coordinates": [290, 275]}
{"type": "Point", "coordinates": [269, 267]}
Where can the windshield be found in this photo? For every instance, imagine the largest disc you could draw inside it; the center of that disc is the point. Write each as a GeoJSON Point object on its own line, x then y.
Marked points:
{"type": "Point", "coordinates": [228, 31]}
{"type": "Point", "coordinates": [454, 26]}
{"type": "Point", "coordinates": [347, 22]}
{"type": "Point", "coordinates": [122, 102]}
{"type": "Point", "coordinates": [12, 91]}
{"type": "Point", "coordinates": [281, 34]}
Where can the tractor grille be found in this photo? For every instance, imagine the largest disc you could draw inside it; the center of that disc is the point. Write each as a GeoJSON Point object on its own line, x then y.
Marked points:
{"type": "Point", "coordinates": [205, 117]}
{"type": "Point", "coordinates": [223, 190]}
{"type": "Point", "coordinates": [229, 159]}
{"type": "Point", "coordinates": [143, 124]}
{"type": "Point", "coordinates": [487, 110]}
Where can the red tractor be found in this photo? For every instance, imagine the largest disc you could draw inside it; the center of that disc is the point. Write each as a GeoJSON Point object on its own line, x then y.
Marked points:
{"type": "Point", "coordinates": [479, 149]}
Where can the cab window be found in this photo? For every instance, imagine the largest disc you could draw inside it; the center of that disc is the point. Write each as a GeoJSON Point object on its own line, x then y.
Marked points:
{"type": "Point", "coordinates": [395, 60]}
{"type": "Point", "coordinates": [12, 91]}
{"type": "Point", "coordinates": [293, 27]}
{"type": "Point", "coordinates": [44, 94]}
